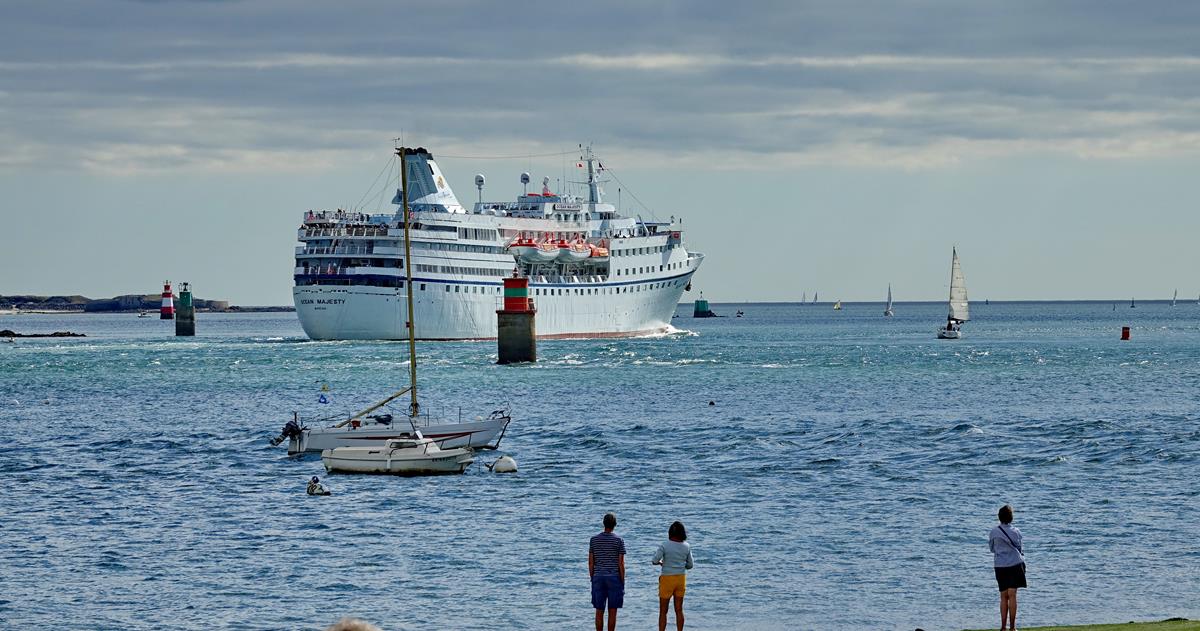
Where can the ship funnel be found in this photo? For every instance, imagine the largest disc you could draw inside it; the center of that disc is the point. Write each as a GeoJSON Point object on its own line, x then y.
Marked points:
{"type": "Point", "coordinates": [427, 187]}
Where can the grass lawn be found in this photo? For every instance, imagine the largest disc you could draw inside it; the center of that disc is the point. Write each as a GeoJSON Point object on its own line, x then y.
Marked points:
{"type": "Point", "coordinates": [1165, 625]}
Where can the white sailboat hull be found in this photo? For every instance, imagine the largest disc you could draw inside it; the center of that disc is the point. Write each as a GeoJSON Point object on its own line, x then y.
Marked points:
{"type": "Point", "coordinates": [406, 461]}
{"type": "Point", "coordinates": [475, 434]}
{"type": "Point", "coordinates": [943, 334]}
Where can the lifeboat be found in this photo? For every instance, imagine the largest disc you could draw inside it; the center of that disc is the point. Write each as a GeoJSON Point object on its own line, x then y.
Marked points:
{"type": "Point", "coordinates": [568, 253]}
{"type": "Point", "coordinates": [542, 253]}
{"type": "Point", "coordinates": [598, 252]}
{"type": "Point", "coordinates": [522, 248]}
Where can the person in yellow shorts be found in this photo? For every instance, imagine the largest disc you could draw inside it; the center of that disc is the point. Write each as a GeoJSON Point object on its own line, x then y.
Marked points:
{"type": "Point", "coordinates": [675, 557]}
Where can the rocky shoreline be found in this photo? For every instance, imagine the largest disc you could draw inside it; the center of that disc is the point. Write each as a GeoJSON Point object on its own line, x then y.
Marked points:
{"type": "Point", "coordinates": [11, 334]}
{"type": "Point", "coordinates": [128, 303]}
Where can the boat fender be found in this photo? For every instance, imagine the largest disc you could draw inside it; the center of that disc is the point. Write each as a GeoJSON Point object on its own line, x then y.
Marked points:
{"type": "Point", "coordinates": [503, 464]}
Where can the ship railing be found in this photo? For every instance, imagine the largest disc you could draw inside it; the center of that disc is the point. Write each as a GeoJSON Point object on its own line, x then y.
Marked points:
{"type": "Point", "coordinates": [337, 250]}
{"type": "Point", "coordinates": [381, 231]}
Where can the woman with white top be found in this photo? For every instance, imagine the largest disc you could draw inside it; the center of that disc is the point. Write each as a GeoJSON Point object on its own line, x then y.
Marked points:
{"type": "Point", "coordinates": [675, 557]}
{"type": "Point", "coordinates": [1005, 542]}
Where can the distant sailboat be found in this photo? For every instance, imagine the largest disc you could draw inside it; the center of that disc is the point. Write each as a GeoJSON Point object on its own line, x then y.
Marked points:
{"type": "Point", "coordinates": [815, 294]}
{"type": "Point", "coordinates": [803, 298]}
{"type": "Point", "coordinates": [887, 311]}
{"type": "Point", "coordinates": [959, 309]}
{"type": "Point", "coordinates": [1174, 298]}
{"type": "Point", "coordinates": [1131, 304]}
{"type": "Point", "coordinates": [837, 306]}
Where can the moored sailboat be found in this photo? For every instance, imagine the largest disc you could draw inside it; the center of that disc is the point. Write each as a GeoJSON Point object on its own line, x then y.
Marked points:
{"type": "Point", "coordinates": [412, 454]}
{"type": "Point", "coordinates": [959, 308]}
{"type": "Point", "coordinates": [369, 444]}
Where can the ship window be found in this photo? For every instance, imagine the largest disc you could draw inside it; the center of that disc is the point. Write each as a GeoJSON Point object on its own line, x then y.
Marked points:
{"type": "Point", "coordinates": [447, 288]}
{"type": "Point", "coordinates": [422, 286]}
{"type": "Point", "coordinates": [456, 289]}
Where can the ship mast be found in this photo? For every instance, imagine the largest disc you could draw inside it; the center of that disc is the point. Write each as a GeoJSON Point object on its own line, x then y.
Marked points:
{"type": "Point", "coordinates": [414, 407]}
{"type": "Point", "coordinates": [593, 184]}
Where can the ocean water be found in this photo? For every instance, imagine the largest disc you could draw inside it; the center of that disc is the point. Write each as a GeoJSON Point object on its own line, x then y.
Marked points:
{"type": "Point", "coordinates": [845, 476]}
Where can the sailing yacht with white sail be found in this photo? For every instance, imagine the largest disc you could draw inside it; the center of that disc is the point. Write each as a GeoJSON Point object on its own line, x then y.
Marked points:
{"type": "Point", "coordinates": [959, 309]}
{"type": "Point", "coordinates": [887, 310]}
{"type": "Point", "coordinates": [1175, 297]}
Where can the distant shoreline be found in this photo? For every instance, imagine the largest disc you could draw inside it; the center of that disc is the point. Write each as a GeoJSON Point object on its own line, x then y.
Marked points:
{"type": "Point", "coordinates": [234, 309]}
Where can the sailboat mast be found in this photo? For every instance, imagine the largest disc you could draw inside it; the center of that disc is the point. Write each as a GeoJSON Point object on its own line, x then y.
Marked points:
{"type": "Point", "coordinates": [414, 407]}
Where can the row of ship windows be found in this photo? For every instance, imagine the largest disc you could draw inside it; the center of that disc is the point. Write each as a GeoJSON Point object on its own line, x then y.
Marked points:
{"type": "Point", "coordinates": [465, 271]}
{"type": "Point", "coordinates": [591, 291]}
{"type": "Point", "coordinates": [636, 251]}
{"type": "Point", "coordinates": [626, 271]}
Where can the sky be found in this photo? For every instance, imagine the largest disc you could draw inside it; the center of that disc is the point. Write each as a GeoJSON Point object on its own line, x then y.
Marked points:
{"type": "Point", "coordinates": [808, 146]}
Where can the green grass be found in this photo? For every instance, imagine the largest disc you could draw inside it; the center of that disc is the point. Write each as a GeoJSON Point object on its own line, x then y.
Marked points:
{"type": "Point", "coordinates": [1165, 625]}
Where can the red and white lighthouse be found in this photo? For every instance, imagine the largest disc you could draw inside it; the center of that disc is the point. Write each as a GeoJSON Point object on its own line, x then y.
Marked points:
{"type": "Point", "coordinates": [167, 312]}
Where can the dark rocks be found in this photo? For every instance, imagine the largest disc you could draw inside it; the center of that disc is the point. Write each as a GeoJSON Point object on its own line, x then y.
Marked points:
{"type": "Point", "coordinates": [11, 333]}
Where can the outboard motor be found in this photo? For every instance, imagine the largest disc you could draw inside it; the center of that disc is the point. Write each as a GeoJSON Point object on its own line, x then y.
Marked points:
{"type": "Point", "coordinates": [290, 430]}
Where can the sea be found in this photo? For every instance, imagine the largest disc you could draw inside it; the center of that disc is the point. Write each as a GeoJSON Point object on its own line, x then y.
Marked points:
{"type": "Point", "coordinates": [834, 470]}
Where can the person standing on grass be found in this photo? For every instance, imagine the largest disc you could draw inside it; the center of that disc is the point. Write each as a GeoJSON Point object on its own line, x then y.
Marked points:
{"type": "Point", "coordinates": [606, 566]}
{"type": "Point", "coordinates": [675, 557]}
{"type": "Point", "coordinates": [1005, 542]}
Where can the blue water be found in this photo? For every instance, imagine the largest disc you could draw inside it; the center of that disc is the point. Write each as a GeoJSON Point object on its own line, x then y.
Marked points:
{"type": "Point", "coordinates": [846, 476]}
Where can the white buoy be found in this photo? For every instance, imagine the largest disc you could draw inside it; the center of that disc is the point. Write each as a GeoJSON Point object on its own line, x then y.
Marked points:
{"type": "Point", "coordinates": [505, 464]}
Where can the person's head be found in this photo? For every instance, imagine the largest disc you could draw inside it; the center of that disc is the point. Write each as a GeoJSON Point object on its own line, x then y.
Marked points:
{"type": "Point", "coordinates": [1005, 514]}
{"type": "Point", "coordinates": [677, 532]}
{"type": "Point", "coordinates": [315, 479]}
{"type": "Point", "coordinates": [610, 521]}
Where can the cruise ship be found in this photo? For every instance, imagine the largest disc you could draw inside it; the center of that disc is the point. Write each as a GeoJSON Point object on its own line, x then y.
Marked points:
{"type": "Point", "coordinates": [592, 272]}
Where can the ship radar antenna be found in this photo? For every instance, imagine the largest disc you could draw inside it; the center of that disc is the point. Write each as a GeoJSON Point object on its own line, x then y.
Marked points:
{"type": "Point", "coordinates": [479, 182]}
{"type": "Point", "coordinates": [525, 181]}
{"type": "Point", "coordinates": [546, 185]}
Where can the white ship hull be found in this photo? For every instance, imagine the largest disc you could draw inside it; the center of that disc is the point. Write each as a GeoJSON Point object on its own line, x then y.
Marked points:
{"type": "Point", "coordinates": [468, 311]}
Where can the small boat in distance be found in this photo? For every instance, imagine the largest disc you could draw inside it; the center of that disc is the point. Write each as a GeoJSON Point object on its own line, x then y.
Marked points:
{"type": "Point", "coordinates": [803, 298]}
{"type": "Point", "coordinates": [1132, 305]}
{"type": "Point", "coordinates": [837, 306]}
{"type": "Point", "coordinates": [410, 455]}
{"type": "Point", "coordinates": [1175, 297]}
{"type": "Point", "coordinates": [814, 298]}
{"type": "Point", "coordinates": [143, 314]}
{"type": "Point", "coordinates": [887, 310]}
{"type": "Point", "coordinates": [959, 308]}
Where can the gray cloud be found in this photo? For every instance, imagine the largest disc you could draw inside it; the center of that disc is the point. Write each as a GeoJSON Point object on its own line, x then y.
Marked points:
{"type": "Point", "coordinates": [124, 87]}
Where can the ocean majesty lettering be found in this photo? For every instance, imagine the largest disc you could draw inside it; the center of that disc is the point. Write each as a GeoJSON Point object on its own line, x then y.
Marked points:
{"type": "Point", "coordinates": [324, 301]}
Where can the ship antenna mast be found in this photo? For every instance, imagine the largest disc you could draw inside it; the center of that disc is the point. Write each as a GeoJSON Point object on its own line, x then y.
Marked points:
{"type": "Point", "coordinates": [593, 185]}
{"type": "Point", "coordinates": [414, 408]}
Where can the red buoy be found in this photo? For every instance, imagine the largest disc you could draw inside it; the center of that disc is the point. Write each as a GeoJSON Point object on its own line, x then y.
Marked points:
{"type": "Point", "coordinates": [167, 311]}
{"type": "Point", "coordinates": [1125, 333]}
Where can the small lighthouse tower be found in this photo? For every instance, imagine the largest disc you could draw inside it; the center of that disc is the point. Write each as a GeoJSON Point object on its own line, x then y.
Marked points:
{"type": "Point", "coordinates": [167, 312]}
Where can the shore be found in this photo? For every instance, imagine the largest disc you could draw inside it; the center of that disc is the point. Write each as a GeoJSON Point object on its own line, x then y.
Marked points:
{"type": "Point", "coordinates": [1172, 624]}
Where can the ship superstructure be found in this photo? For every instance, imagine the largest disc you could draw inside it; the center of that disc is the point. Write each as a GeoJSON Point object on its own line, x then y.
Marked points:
{"type": "Point", "coordinates": [592, 272]}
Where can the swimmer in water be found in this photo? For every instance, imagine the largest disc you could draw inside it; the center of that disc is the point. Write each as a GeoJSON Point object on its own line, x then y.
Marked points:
{"type": "Point", "coordinates": [316, 488]}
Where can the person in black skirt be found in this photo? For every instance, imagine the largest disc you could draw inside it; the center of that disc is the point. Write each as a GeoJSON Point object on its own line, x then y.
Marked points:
{"type": "Point", "coordinates": [1005, 542]}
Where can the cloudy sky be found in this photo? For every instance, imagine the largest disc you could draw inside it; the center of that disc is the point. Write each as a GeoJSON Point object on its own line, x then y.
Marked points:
{"type": "Point", "coordinates": [830, 147]}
